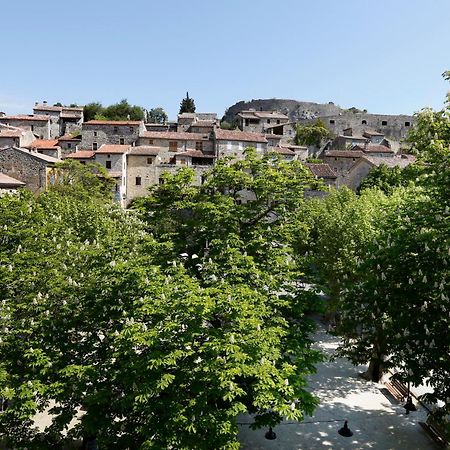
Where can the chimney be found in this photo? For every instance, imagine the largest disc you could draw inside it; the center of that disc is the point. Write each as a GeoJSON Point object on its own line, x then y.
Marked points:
{"type": "Point", "coordinates": [36, 103]}
{"type": "Point", "coordinates": [44, 102]}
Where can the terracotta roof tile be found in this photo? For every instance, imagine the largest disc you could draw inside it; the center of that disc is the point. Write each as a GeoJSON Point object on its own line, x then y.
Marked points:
{"type": "Point", "coordinates": [282, 150]}
{"type": "Point", "coordinates": [113, 148]}
{"type": "Point", "coordinates": [144, 150]}
{"type": "Point", "coordinates": [233, 135]}
{"type": "Point", "coordinates": [44, 143]}
{"type": "Point", "coordinates": [30, 117]}
{"type": "Point", "coordinates": [82, 154]}
{"type": "Point", "coordinates": [321, 170]}
{"type": "Point", "coordinates": [68, 137]}
{"type": "Point", "coordinates": [9, 182]}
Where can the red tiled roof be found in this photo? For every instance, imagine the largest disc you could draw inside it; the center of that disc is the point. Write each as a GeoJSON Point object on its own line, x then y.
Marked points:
{"type": "Point", "coordinates": [144, 150]}
{"type": "Point", "coordinates": [9, 182]}
{"type": "Point", "coordinates": [30, 117]}
{"type": "Point", "coordinates": [44, 143]}
{"type": "Point", "coordinates": [82, 154]}
{"type": "Point", "coordinates": [282, 150]}
{"type": "Point", "coordinates": [376, 149]}
{"type": "Point", "coordinates": [344, 154]}
{"type": "Point", "coordinates": [113, 122]}
{"type": "Point", "coordinates": [273, 136]}
{"type": "Point", "coordinates": [113, 148]}
{"type": "Point", "coordinates": [321, 170]}
{"type": "Point", "coordinates": [174, 135]}
{"type": "Point", "coordinates": [233, 135]}
{"type": "Point", "coordinates": [68, 137]}
{"type": "Point", "coordinates": [8, 133]}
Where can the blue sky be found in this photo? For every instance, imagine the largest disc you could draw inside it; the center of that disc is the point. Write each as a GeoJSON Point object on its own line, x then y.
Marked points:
{"type": "Point", "coordinates": [383, 55]}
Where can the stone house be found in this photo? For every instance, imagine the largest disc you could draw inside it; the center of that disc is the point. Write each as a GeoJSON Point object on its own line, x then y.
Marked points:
{"type": "Point", "coordinates": [273, 140]}
{"type": "Point", "coordinates": [96, 133]}
{"type": "Point", "coordinates": [259, 121]}
{"type": "Point", "coordinates": [286, 153]}
{"type": "Point", "coordinates": [188, 120]}
{"type": "Point", "coordinates": [340, 162]}
{"type": "Point", "coordinates": [32, 168]}
{"type": "Point", "coordinates": [285, 130]}
{"type": "Point", "coordinates": [113, 158]}
{"type": "Point", "coordinates": [233, 142]}
{"type": "Point", "coordinates": [301, 152]}
{"type": "Point", "coordinates": [63, 119]}
{"type": "Point", "coordinates": [170, 143]}
{"type": "Point", "coordinates": [48, 147]}
{"type": "Point", "coordinates": [69, 144]}
{"type": "Point", "coordinates": [323, 172]}
{"type": "Point", "coordinates": [374, 137]}
{"type": "Point", "coordinates": [361, 168]}
{"type": "Point", "coordinates": [15, 137]}
{"type": "Point", "coordinates": [348, 140]}
{"type": "Point", "coordinates": [9, 185]}
{"type": "Point", "coordinates": [38, 124]}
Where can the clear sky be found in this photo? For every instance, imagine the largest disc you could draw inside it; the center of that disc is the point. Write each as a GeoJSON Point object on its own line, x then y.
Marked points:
{"type": "Point", "coordinates": [383, 55]}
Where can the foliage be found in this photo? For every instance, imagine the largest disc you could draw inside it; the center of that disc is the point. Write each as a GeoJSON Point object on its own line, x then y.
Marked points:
{"type": "Point", "coordinates": [314, 160]}
{"type": "Point", "coordinates": [118, 327]}
{"type": "Point", "coordinates": [118, 111]}
{"type": "Point", "coordinates": [224, 125]}
{"type": "Point", "coordinates": [311, 134]}
{"type": "Point", "coordinates": [157, 115]}
{"type": "Point", "coordinates": [57, 104]}
{"type": "Point", "coordinates": [187, 105]}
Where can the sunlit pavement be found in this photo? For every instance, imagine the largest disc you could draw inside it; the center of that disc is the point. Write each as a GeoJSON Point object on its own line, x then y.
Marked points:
{"type": "Point", "coordinates": [377, 422]}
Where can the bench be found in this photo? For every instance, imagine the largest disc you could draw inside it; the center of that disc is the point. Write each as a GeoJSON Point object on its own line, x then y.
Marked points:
{"type": "Point", "coordinates": [397, 389]}
{"type": "Point", "coordinates": [436, 433]}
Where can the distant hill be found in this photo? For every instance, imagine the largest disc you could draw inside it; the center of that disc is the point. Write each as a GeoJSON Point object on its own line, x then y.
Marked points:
{"type": "Point", "coordinates": [296, 110]}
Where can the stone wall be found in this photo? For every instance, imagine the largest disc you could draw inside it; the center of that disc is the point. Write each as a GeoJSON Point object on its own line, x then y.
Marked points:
{"type": "Point", "coordinates": [40, 128]}
{"type": "Point", "coordinates": [24, 167]}
{"type": "Point", "coordinates": [341, 167]}
{"type": "Point", "coordinates": [109, 134]}
{"type": "Point", "coordinates": [236, 148]}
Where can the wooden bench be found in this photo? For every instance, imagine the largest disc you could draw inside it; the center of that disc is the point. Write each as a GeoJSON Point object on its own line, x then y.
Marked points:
{"type": "Point", "coordinates": [397, 389]}
{"type": "Point", "coordinates": [436, 433]}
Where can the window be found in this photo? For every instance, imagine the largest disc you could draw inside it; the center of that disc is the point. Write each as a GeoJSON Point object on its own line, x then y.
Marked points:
{"type": "Point", "coordinates": [407, 124]}
{"type": "Point", "coordinates": [384, 123]}
{"type": "Point", "coordinates": [183, 161]}
{"type": "Point", "coordinates": [150, 142]}
{"type": "Point", "coordinates": [121, 141]}
{"type": "Point", "coordinates": [278, 121]}
{"type": "Point", "coordinates": [138, 181]}
{"type": "Point", "coordinates": [108, 164]}
{"type": "Point", "coordinates": [32, 127]}
{"type": "Point", "coordinates": [268, 120]}
{"type": "Point", "coordinates": [173, 146]}
{"type": "Point", "coordinates": [95, 134]}
{"type": "Point", "coordinates": [364, 122]}
{"type": "Point", "coordinates": [161, 181]}
{"type": "Point", "coordinates": [331, 122]}
{"type": "Point", "coordinates": [69, 145]}
{"type": "Point", "coordinates": [94, 146]}
{"type": "Point", "coordinates": [116, 129]}
{"type": "Point", "coordinates": [149, 160]}
{"type": "Point", "coordinates": [202, 179]}
{"type": "Point", "coordinates": [131, 129]}
{"type": "Point", "coordinates": [199, 145]}
{"type": "Point", "coordinates": [246, 122]}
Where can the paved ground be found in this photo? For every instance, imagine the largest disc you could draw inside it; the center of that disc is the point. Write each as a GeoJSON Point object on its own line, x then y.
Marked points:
{"type": "Point", "coordinates": [377, 421]}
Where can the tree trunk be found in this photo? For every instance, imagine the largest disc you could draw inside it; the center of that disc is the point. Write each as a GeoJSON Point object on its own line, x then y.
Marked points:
{"type": "Point", "coordinates": [374, 371]}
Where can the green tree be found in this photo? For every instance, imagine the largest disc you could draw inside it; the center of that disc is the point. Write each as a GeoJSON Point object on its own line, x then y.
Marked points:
{"type": "Point", "coordinates": [157, 115]}
{"type": "Point", "coordinates": [123, 111]}
{"type": "Point", "coordinates": [311, 134]}
{"type": "Point", "coordinates": [187, 105]}
{"type": "Point", "coordinates": [91, 110]}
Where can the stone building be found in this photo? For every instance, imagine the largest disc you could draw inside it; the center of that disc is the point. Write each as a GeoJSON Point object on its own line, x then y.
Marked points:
{"type": "Point", "coordinates": [259, 121]}
{"type": "Point", "coordinates": [188, 120]}
{"type": "Point", "coordinates": [170, 143]}
{"type": "Point", "coordinates": [38, 124]}
{"type": "Point", "coordinates": [361, 168]}
{"type": "Point", "coordinates": [323, 172]}
{"type": "Point", "coordinates": [15, 137]}
{"type": "Point", "coordinates": [233, 143]}
{"type": "Point", "coordinates": [32, 168]}
{"type": "Point", "coordinates": [48, 147]}
{"type": "Point", "coordinates": [301, 152]}
{"type": "Point", "coordinates": [96, 133]}
{"type": "Point", "coordinates": [64, 119]}
{"type": "Point", "coordinates": [82, 156]}
{"type": "Point", "coordinates": [375, 150]}
{"type": "Point", "coordinates": [340, 162]}
{"type": "Point", "coordinates": [69, 144]}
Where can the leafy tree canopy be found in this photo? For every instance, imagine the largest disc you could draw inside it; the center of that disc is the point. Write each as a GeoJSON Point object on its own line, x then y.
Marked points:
{"type": "Point", "coordinates": [118, 111]}
{"type": "Point", "coordinates": [187, 105]}
{"type": "Point", "coordinates": [311, 134]}
{"type": "Point", "coordinates": [157, 115]}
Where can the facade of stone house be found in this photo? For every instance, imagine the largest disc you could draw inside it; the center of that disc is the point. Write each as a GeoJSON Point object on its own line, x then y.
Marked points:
{"type": "Point", "coordinates": [31, 168]}
{"type": "Point", "coordinates": [39, 125]}
{"type": "Point", "coordinates": [285, 130]}
{"type": "Point", "coordinates": [188, 120]}
{"type": "Point", "coordinates": [345, 142]}
{"type": "Point", "coordinates": [68, 144]}
{"type": "Point", "coordinates": [202, 126]}
{"type": "Point", "coordinates": [340, 162]}
{"type": "Point", "coordinates": [365, 164]}
{"type": "Point", "coordinates": [113, 158]}
{"type": "Point", "coordinates": [144, 168]}
{"type": "Point", "coordinates": [374, 137]}
{"type": "Point", "coordinates": [96, 133]}
{"type": "Point", "coordinates": [48, 147]}
{"type": "Point", "coordinates": [15, 137]}
{"type": "Point", "coordinates": [9, 185]}
{"type": "Point", "coordinates": [301, 152]}
{"type": "Point", "coordinates": [171, 143]}
{"type": "Point", "coordinates": [64, 119]}
{"type": "Point", "coordinates": [285, 153]}
{"type": "Point", "coordinates": [233, 143]}
{"type": "Point", "coordinates": [259, 121]}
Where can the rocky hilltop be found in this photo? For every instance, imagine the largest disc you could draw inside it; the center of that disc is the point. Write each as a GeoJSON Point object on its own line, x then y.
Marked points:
{"type": "Point", "coordinates": [296, 110]}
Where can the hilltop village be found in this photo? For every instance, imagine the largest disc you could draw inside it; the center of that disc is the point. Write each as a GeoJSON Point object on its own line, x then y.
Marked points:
{"type": "Point", "coordinates": [136, 153]}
